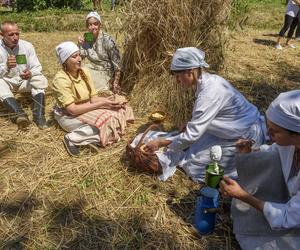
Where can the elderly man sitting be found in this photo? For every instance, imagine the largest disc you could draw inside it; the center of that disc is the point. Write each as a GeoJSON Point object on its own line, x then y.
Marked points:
{"type": "Point", "coordinates": [20, 70]}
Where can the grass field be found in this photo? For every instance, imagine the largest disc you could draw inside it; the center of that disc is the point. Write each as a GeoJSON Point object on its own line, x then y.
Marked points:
{"type": "Point", "coordinates": [49, 200]}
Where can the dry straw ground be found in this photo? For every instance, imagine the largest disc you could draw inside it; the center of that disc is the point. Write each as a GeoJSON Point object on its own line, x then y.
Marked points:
{"type": "Point", "coordinates": [52, 201]}
{"type": "Point", "coordinates": [49, 200]}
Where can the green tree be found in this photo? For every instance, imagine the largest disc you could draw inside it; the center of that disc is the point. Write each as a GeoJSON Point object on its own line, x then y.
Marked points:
{"type": "Point", "coordinates": [31, 5]}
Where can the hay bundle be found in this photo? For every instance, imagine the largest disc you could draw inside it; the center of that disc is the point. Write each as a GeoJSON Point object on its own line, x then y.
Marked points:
{"type": "Point", "coordinates": [153, 31]}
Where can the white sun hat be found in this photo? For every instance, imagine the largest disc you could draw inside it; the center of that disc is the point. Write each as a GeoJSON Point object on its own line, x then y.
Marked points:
{"type": "Point", "coordinates": [284, 111]}
{"type": "Point", "coordinates": [188, 58]}
{"type": "Point", "coordinates": [93, 14]}
{"type": "Point", "coordinates": [65, 50]}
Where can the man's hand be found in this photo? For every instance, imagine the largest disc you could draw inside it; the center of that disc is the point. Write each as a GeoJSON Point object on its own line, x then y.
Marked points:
{"type": "Point", "coordinates": [11, 62]}
{"type": "Point", "coordinates": [26, 74]}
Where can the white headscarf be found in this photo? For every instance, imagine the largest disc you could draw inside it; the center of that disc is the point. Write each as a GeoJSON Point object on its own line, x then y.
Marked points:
{"type": "Point", "coordinates": [284, 111]}
{"type": "Point", "coordinates": [65, 50]}
{"type": "Point", "coordinates": [188, 58]}
{"type": "Point", "coordinates": [93, 14]}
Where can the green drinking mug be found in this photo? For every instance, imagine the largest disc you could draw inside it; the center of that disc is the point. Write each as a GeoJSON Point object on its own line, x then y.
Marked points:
{"type": "Point", "coordinates": [212, 179]}
{"type": "Point", "coordinates": [88, 37]}
{"type": "Point", "coordinates": [21, 59]}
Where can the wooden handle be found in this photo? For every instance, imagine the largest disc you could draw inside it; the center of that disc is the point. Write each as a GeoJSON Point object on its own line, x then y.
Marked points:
{"type": "Point", "coordinates": [145, 133]}
{"type": "Point", "coordinates": [211, 210]}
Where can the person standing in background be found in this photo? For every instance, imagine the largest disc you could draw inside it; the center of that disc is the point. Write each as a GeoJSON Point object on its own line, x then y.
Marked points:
{"type": "Point", "coordinates": [290, 22]}
{"type": "Point", "coordinates": [112, 5]}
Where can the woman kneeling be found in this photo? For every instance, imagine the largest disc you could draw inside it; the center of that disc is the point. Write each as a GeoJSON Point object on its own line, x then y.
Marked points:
{"type": "Point", "coordinates": [221, 115]}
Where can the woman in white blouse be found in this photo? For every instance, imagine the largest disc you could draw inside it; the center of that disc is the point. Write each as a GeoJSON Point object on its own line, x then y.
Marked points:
{"type": "Point", "coordinates": [221, 115]}
{"type": "Point", "coordinates": [283, 119]}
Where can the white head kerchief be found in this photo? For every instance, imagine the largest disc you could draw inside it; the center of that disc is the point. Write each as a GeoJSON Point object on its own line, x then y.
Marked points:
{"type": "Point", "coordinates": [188, 58]}
{"type": "Point", "coordinates": [284, 111]}
{"type": "Point", "coordinates": [65, 50]}
{"type": "Point", "coordinates": [93, 14]}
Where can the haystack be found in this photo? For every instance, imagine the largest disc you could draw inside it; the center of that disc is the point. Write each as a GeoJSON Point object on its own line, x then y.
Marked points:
{"type": "Point", "coordinates": [153, 31]}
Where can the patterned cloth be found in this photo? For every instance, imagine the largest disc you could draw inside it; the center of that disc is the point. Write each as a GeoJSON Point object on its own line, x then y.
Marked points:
{"type": "Point", "coordinates": [111, 124]}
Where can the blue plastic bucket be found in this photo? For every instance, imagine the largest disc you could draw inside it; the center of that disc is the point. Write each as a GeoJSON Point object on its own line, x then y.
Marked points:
{"type": "Point", "coordinates": [205, 212]}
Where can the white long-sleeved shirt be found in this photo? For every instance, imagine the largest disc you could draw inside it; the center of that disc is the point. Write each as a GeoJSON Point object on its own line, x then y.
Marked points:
{"type": "Point", "coordinates": [286, 215]}
{"type": "Point", "coordinates": [219, 110]}
{"type": "Point", "coordinates": [23, 47]}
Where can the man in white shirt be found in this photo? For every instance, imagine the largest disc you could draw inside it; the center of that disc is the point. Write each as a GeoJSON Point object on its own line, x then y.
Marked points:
{"type": "Point", "coordinates": [20, 70]}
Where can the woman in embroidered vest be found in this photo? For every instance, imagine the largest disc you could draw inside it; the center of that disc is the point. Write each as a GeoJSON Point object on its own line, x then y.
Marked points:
{"type": "Point", "coordinates": [88, 119]}
{"type": "Point", "coordinates": [102, 54]}
{"type": "Point", "coordinates": [283, 119]}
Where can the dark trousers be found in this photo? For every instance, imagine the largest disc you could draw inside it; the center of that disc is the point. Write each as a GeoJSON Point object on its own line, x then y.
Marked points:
{"type": "Point", "coordinates": [298, 27]}
{"type": "Point", "coordinates": [290, 23]}
{"type": "Point", "coordinates": [298, 30]}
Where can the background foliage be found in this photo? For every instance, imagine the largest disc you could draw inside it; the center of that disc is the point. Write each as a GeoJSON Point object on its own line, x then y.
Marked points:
{"type": "Point", "coordinates": [241, 10]}
{"type": "Point", "coordinates": [29, 5]}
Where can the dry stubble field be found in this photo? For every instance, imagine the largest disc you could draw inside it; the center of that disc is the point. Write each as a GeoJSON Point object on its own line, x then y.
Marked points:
{"type": "Point", "coordinates": [49, 200]}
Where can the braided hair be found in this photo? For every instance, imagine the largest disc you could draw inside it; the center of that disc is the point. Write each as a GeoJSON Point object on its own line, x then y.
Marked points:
{"type": "Point", "coordinates": [83, 77]}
